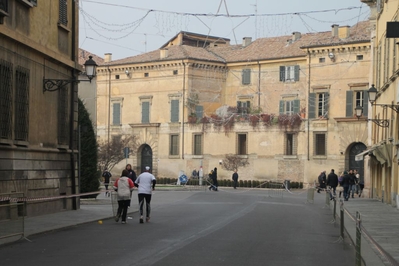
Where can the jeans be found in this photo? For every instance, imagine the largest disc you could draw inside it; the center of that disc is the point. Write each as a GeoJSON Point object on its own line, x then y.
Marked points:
{"type": "Point", "coordinates": [332, 192]}
{"type": "Point", "coordinates": [346, 192]}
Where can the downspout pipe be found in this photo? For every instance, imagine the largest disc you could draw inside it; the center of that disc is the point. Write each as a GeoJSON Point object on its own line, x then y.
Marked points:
{"type": "Point", "coordinates": [308, 104]}
{"type": "Point", "coordinates": [259, 75]}
{"type": "Point", "coordinates": [74, 86]}
{"type": "Point", "coordinates": [183, 99]}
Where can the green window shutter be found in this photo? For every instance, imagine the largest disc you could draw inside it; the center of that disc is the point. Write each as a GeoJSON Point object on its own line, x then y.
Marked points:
{"type": "Point", "coordinates": [282, 73]}
{"type": "Point", "coordinates": [326, 104]}
{"type": "Point", "coordinates": [174, 112]}
{"type": "Point", "coordinates": [239, 107]}
{"type": "Point", "coordinates": [246, 76]}
{"type": "Point", "coordinates": [349, 104]}
{"type": "Point", "coordinates": [296, 73]}
{"type": "Point", "coordinates": [145, 112]}
{"type": "Point", "coordinates": [365, 103]}
{"type": "Point", "coordinates": [281, 107]}
{"type": "Point", "coordinates": [296, 106]}
{"type": "Point", "coordinates": [312, 105]}
{"type": "Point", "coordinates": [116, 114]}
{"type": "Point", "coordinates": [199, 111]}
{"type": "Point", "coordinates": [248, 107]}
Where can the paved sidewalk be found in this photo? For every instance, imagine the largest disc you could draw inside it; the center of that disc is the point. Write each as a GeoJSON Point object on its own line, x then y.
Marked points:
{"type": "Point", "coordinates": [380, 221]}
{"type": "Point", "coordinates": [380, 229]}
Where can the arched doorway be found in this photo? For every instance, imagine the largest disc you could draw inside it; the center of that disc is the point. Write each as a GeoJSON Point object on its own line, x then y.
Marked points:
{"type": "Point", "coordinates": [146, 157]}
{"type": "Point", "coordinates": [353, 164]}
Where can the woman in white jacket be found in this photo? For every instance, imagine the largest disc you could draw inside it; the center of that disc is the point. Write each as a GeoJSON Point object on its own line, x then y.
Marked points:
{"type": "Point", "coordinates": [123, 186]}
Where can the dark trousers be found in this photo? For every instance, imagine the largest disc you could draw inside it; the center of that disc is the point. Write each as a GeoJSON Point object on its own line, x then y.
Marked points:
{"type": "Point", "coordinates": [122, 209]}
{"type": "Point", "coordinates": [346, 192]}
{"type": "Point", "coordinates": [235, 183]}
{"type": "Point", "coordinates": [147, 198]}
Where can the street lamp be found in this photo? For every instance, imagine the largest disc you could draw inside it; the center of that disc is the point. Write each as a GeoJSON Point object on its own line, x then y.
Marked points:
{"type": "Point", "coordinates": [57, 84]}
{"type": "Point", "coordinates": [372, 92]}
{"type": "Point", "coordinates": [378, 122]}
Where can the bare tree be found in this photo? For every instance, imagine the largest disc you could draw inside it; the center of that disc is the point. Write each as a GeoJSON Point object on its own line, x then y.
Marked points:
{"type": "Point", "coordinates": [110, 154]}
{"type": "Point", "coordinates": [232, 162]}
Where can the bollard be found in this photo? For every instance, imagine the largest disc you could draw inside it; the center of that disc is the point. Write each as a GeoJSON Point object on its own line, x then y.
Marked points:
{"type": "Point", "coordinates": [335, 209]}
{"type": "Point", "coordinates": [327, 199]}
{"type": "Point", "coordinates": [310, 198]}
{"type": "Point", "coordinates": [342, 217]}
{"type": "Point", "coordinates": [358, 240]}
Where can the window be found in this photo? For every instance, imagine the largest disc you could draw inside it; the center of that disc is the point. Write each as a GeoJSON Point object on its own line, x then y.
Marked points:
{"type": "Point", "coordinates": [21, 104]}
{"type": "Point", "coordinates": [197, 144]}
{"type": "Point", "coordinates": [290, 144]}
{"type": "Point", "coordinates": [318, 105]}
{"type": "Point", "coordinates": [243, 107]}
{"type": "Point", "coordinates": [199, 111]}
{"type": "Point", "coordinates": [174, 145]}
{"type": "Point", "coordinates": [3, 8]}
{"type": "Point", "coordinates": [5, 99]}
{"type": "Point", "coordinates": [289, 73]}
{"type": "Point", "coordinates": [63, 116]}
{"type": "Point", "coordinates": [289, 106]}
{"type": "Point", "coordinates": [29, 3]}
{"type": "Point", "coordinates": [246, 76]}
{"type": "Point", "coordinates": [175, 72]}
{"type": "Point", "coordinates": [322, 60]}
{"type": "Point", "coordinates": [116, 114]}
{"type": "Point", "coordinates": [63, 15]}
{"type": "Point", "coordinates": [359, 57]}
{"type": "Point", "coordinates": [241, 144]}
{"type": "Point", "coordinates": [145, 112]}
{"type": "Point", "coordinates": [116, 76]}
{"type": "Point", "coordinates": [146, 75]}
{"type": "Point", "coordinates": [174, 111]}
{"type": "Point", "coordinates": [356, 98]}
{"type": "Point", "coordinates": [320, 144]}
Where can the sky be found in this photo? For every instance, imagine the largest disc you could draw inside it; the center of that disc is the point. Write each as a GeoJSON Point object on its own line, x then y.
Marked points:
{"type": "Point", "coordinates": [130, 27]}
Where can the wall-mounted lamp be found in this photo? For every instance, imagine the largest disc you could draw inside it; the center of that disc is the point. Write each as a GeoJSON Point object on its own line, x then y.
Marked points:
{"type": "Point", "coordinates": [331, 55]}
{"type": "Point", "coordinates": [220, 162]}
{"type": "Point", "coordinates": [378, 122]}
{"type": "Point", "coordinates": [57, 84]}
{"type": "Point", "coordinates": [127, 73]}
{"type": "Point", "coordinates": [372, 92]}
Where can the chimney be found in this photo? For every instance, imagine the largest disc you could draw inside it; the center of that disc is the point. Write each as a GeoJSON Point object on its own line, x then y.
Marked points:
{"type": "Point", "coordinates": [107, 57]}
{"type": "Point", "coordinates": [164, 53]}
{"type": "Point", "coordinates": [246, 41]}
{"type": "Point", "coordinates": [334, 30]}
{"type": "Point", "coordinates": [343, 32]}
{"type": "Point", "coordinates": [296, 35]}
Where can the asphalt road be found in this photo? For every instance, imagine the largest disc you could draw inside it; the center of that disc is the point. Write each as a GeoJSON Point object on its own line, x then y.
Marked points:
{"type": "Point", "coordinates": [231, 227]}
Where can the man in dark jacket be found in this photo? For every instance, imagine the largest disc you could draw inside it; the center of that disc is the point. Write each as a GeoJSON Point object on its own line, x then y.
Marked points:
{"type": "Point", "coordinates": [352, 184]}
{"type": "Point", "coordinates": [345, 184]}
{"type": "Point", "coordinates": [235, 179]}
{"type": "Point", "coordinates": [322, 181]}
{"type": "Point", "coordinates": [332, 181]}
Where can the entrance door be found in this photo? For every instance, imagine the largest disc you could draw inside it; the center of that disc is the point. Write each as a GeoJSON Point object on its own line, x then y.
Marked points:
{"type": "Point", "coordinates": [146, 157]}
{"type": "Point", "coordinates": [353, 164]}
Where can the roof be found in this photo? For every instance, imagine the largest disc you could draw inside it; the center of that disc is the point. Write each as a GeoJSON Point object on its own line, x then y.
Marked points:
{"type": "Point", "coordinates": [261, 49]}
{"type": "Point", "coordinates": [84, 56]}
{"type": "Point", "coordinates": [191, 36]}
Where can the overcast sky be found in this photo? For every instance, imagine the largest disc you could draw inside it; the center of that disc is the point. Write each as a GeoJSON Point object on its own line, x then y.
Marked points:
{"type": "Point", "coordinates": [130, 27]}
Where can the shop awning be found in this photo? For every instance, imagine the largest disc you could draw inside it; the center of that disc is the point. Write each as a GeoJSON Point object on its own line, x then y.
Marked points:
{"type": "Point", "coordinates": [360, 156]}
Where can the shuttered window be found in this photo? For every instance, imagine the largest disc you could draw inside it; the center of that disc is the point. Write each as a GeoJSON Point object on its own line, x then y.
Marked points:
{"type": "Point", "coordinates": [243, 107]}
{"type": "Point", "coordinates": [116, 114]}
{"type": "Point", "coordinates": [290, 144]}
{"type": "Point", "coordinates": [197, 144]}
{"type": "Point", "coordinates": [145, 112]}
{"type": "Point", "coordinates": [63, 14]}
{"type": "Point", "coordinates": [289, 73]}
{"type": "Point", "coordinates": [320, 144]}
{"type": "Point", "coordinates": [246, 76]}
{"type": "Point", "coordinates": [174, 145]}
{"type": "Point", "coordinates": [6, 75]}
{"type": "Point", "coordinates": [174, 111]}
{"type": "Point", "coordinates": [21, 104]}
{"type": "Point", "coordinates": [318, 105]}
{"type": "Point", "coordinates": [3, 6]}
{"type": "Point", "coordinates": [242, 144]}
{"type": "Point", "coordinates": [199, 111]}
{"type": "Point", "coordinates": [289, 106]}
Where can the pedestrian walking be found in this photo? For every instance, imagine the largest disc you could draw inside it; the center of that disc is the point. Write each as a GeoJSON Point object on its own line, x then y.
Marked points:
{"type": "Point", "coordinates": [235, 179]}
{"type": "Point", "coordinates": [357, 179]}
{"type": "Point", "coordinates": [332, 182]}
{"type": "Point", "coordinates": [194, 174]}
{"type": "Point", "coordinates": [123, 186]}
{"type": "Point", "coordinates": [214, 177]}
{"type": "Point", "coordinates": [340, 187]}
{"type": "Point", "coordinates": [106, 177]}
{"type": "Point", "coordinates": [131, 175]}
{"type": "Point", "coordinates": [145, 183]}
{"type": "Point", "coordinates": [352, 183]}
{"type": "Point", "coordinates": [346, 185]}
{"type": "Point", "coordinates": [322, 181]}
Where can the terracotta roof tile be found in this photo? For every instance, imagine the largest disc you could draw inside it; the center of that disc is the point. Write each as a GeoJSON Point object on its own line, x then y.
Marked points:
{"type": "Point", "coordinates": [260, 49]}
{"type": "Point", "coordinates": [84, 56]}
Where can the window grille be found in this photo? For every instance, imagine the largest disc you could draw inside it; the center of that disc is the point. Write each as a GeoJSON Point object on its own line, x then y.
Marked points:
{"type": "Point", "coordinates": [22, 104]}
{"type": "Point", "coordinates": [63, 115]}
{"type": "Point", "coordinates": [63, 16]}
{"type": "Point", "coordinates": [5, 99]}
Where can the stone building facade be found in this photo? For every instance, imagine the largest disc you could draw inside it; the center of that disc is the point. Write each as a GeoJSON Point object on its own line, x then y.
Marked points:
{"type": "Point", "coordinates": [38, 127]}
{"type": "Point", "coordinates": [285, 103]}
